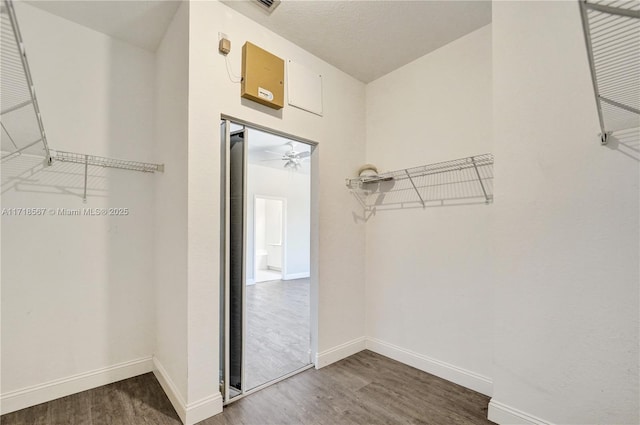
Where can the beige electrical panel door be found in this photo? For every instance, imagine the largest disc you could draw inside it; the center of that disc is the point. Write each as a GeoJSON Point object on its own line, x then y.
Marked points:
{"type": "Point", "coordinates": [262, 76]}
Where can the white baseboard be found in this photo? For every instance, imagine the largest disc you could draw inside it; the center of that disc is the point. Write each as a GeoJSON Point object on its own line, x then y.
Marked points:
{"type": "Point", "coordinates": [292, 276]}
{"type": "Point", "coordinates": [30, 396]}
{"type": "Point", "coordinates": [205, 408]}
{"type": "Point", "coordinates": [505, 415]}
{"type": "Point", "coordinates": [447, 371]}
{"type": "Point", "coordinates": [190, 413]}
{"type": "Point", "coordinates": [340, 352]}
{"type": "Point", "coordinates": [170, 389]}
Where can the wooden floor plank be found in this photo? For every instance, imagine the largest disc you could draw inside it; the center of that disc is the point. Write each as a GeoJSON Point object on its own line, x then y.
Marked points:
{"type": "Point", "coordinates": [366, 388]}
{"type": "Point", "coordinates": [278, 334]}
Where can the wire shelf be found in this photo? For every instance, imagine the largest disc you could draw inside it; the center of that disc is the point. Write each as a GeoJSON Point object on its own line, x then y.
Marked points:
{"type": "Point", "coordinates": [456, 181]}
{"type": "Point", "coordinates": [612, 35]}
{"type": "Point", "coordinates": [100, 161]}
{"type": "Point", "coordinates": [22, 128]}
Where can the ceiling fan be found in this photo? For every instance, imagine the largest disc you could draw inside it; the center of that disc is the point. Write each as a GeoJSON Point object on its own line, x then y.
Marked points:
{"type": "Point", "coordinates": [292, 158]}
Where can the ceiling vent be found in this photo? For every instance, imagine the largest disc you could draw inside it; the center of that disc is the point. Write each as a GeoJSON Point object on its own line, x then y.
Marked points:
{"type": "Point", "coordinates": [268, 5]}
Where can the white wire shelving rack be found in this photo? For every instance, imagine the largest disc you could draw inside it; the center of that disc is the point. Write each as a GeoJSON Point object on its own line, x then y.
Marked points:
{"type": "Point", "coordinates": [457, 181]}
{"type": "Point", "coordinates": [22, 127]}
{"type": "Point", "coordinates": [18, 93]}
{"type": "Point", "coordinates": [612, 35]}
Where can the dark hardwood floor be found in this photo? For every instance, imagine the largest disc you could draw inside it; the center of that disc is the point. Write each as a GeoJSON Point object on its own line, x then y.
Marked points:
{"type": "Point", "coordinates": [365, 388]}
{"type": "Point", "coordinates": [278, 332]}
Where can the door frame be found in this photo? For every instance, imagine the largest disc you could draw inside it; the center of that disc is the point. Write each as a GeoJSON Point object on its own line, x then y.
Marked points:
{"type": "Point", "coordinates": [283, 235]}
{"type": "Point", "coordinates": [314, 250]}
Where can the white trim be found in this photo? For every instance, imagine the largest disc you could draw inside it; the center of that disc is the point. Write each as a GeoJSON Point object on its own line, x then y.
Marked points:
{"type": "Point", "coordinates": [190, 413]}
{"type": "Point", "coordinates": [170, 389]}
{"type": "Point", "coordinates": [340, 352]}
{"type": "Point", "coordinates": [293, 276]}
{"type": "Point", "coordinates": [204, 408]}
{"type": "Point", "coordinates": [444, 370]}
{"type": "Point", "coordinates": [506, 415]}
{"type": "Point", "coordinates": [41, 393]}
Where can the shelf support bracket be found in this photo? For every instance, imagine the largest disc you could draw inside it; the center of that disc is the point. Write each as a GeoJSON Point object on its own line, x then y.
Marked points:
{"type": "Point", "coordinates": [17, 152]}
{"type": "Point", "coordinates": [484, 191]}
{"type": "Point", "coordinates": [619, 105]}
{"type": "Point", "coordinates": [415, 188]}
{"type": "Point", "coordinates": [86, 172]}
{"type": "Point", "coordinates": [16, 107]}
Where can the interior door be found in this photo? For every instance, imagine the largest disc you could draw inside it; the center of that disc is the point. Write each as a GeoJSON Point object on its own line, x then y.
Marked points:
{"type": "Point", "coordinates": [274, 322]}
{"type": "Point", "coordinates": [234, 253]}
{"type": "Point", "coordinates": [237, 254]}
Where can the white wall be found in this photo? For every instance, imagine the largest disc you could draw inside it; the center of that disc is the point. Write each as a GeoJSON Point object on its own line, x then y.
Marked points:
{"type": "Point", "coordinates": [171, 143]}
{"type": "Point", "coordinates": [537, 292]}
{"type": "Point", "coordinates": [565, 233]}
{"type": "Point", "coordinates": [339, 279]}
{"type": "Point", "coordinates": [428, 274]}
{"type": "Point", "coordinates": [76, 291]}
{"type": "Point", "coordinates": [295, 188]}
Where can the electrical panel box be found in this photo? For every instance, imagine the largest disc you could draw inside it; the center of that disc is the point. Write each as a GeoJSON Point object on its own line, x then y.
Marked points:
{"type": "Point", "coordinates": [262, 76]}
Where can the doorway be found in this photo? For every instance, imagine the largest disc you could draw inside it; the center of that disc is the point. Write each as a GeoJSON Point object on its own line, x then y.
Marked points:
{"type": "Point", "coordinates": [267, 288]}
{"type": "Point", "coordinates": [268, 239]}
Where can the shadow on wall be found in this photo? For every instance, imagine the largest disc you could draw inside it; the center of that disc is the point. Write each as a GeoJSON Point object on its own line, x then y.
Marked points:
{"type": "Point", "coordinates": [276, 113]}
{"type": "Point", "coordinates": [627, 142]}
{"type": "Point", "coordinates": [27, 173]}
{"type": "Point", "coordinates": [367, 213]}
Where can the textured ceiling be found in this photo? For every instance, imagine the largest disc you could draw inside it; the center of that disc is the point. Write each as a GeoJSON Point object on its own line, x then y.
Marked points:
{"type": "Point", "coordinates": [140, 22]}
{"type": "Point", "coordinates": [368, 39]}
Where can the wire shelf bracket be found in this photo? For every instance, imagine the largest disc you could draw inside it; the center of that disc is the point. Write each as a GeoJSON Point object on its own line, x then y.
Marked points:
{"type": "Point", "coordinates": [612, 36]}
{"type": "Point", "coordinates": [455, 181]}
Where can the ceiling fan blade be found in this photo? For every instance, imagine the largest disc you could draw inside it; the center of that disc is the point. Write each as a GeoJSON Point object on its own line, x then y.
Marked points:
{"type": "Point", "coordinates": [304, 154]}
